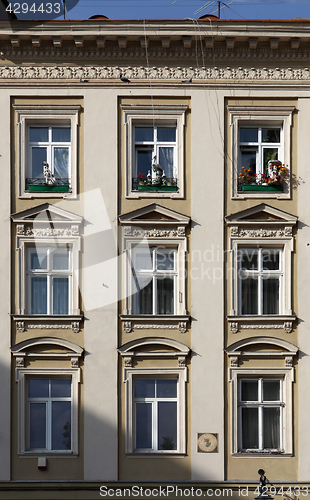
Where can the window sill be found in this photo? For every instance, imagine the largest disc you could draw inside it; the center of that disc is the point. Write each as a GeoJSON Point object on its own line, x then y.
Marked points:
{"type": "Point", "coordinates": [155, 194]}
{"type": "Point", "coordinates": [149, 322]}
{"type": "Point", "coordinates": [45, 322]}
{"type": "Point", "coordinates": [256, 187]}
{"type": "Point", "coordinates": [156, 455]}
{"type": "Point", "coordinates": [261, 322]}
{"type": "Point", "coordinates": [47, 189]}
{"type": "Point", "coordinates": [260, 454]}
{"type": "Point", "coordinates": [47, 454]}
{"type": "Point", "coordinates": [261, 194]}
{"type": "Point", "coordinates": [44, 194]}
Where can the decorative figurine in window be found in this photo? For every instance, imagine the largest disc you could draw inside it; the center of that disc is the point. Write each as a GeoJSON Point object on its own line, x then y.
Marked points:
{"type": "Point", "coordinates": [273, 175]}
{"type": "Point", "coordinates": [159, 172]}
{"type": "Point", "coordinates": [48, 175]}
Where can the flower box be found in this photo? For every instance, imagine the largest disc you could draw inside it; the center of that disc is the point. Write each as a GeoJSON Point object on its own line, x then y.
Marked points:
{"type": "Point", "coordinates": [259, 187]}
{"type": "Point", "coordinates": [47, 189]}
{"type": "Point", "coordinates": [153, 187]}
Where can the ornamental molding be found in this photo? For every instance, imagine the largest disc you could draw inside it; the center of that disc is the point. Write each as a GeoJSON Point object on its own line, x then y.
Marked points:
{"type": "Point", "coordinates": [154, 233]}
{"type": "Point", "coordinates": [156, 72]}
{"type": "Point", "coordinates": [130, 326]}
{"type": "Point", "coordinates": [23, 230]}
{"type": "Point", "coordinates": [237, 323]}
{"type": "Point", "coordinates": [238, 232]}
{"type": "Point", "coordinates": [27, 323]}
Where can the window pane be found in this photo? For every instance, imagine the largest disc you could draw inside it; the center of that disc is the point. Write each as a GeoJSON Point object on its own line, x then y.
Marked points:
{"type": "Point", "coordinates": [271, 260]}
{"type": "Point", "coordinates": [38, 295]}
{"type": "Point", "coordinates": [166, 388]}
{"type": "Point", "coordinates": [166, 161]}
{"type": "Point", "coordinates": [165, 260]}
{"type": "Point", "coordinates": [249, 390]}
{"type": "Point", "coordinates": [61, 425]}
{"type": "Point", "coordinates": [61, 163]}
{"type": "Point", "coordinates": [249, 260]}
{"type": "Point", "coordinates": [249, 296]}
{"type": "Point", "coordinates": [61, 134]}
{"type": "Point", "coordinates": [271, 424]}
{"type": "Point", "coordinates": [166, 134]}
{"type": "Point", "coordinates": [38, 155]}
{"type": "Point", "coordinates": [37, 425]}
{"type": "Point", "coordinates": [248, 160]}
{"type": "Point", "coordinates": [144, 298]}
{"type": "Point", "coordinates": [165, 296]}
{"type": "Point", "coordinates": [61, 260]}
{"type": "Point", "coordinates": [271, 390]}
{"type": "Point", "coordinates": [271, 296]}
{"type": "Point", "coordinates": [144, 388]}
{"type": "Point", "coordinates": [144, 134]}
{"type": "Point", "coordinates": [144, 260]}
{"type": "Point", "coordinates": [38, 134]}
{"type": "Point", "coordinates": [60, 295]}
{"type": "Point", "coordinates": [143, 425]}
{"type": "Point", "coordinates": [38, 388]}
{"type": "Point", "coordinates": [249, 428]}
{"type": "Point", "coordinates": [269, 154]}
{"type": "Point", "coordinates": [61, 388]}
{"type": "Point", "coordinates": [38, 259]}
{"type": "Point", "coordinates": [271, 134]}
{"type": "Point", "coordinates": [167, 426]}
{"type": "Point", "coordinates": [144, 162]}
{"type": "Point", "coordinates": [248, 134]}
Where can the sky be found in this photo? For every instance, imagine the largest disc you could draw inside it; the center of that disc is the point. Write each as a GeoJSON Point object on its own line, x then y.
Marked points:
{"type": "Point", "coordinates": [179, 9]}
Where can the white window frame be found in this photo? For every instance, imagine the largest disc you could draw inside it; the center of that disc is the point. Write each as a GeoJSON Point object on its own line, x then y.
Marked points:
{"type": "Point", "coordinates": [50, 274]}
{"type": "Point", "coordinates": [260, 274]}
{"type": "Point", "coordinates": [286, 375]}
{"type": "Point", "coordinates": [159, 115]}
{"type": "Point", "coordinates": [46, 116]}
{"type": "Point", "coordinates": [22, 375]}
{"type": "Point", "coordinates": [286, 247]}
{"type": "Point", "coordinates": [23, 246]}
{"type": "Point", "coordinates": [179, 245]}
{"type": "Point", "coordinates": [130, 374]}
{"type": "Point", "coordinates": [49, 145]}
{"type": "Point", "coordinates": [260, 116]}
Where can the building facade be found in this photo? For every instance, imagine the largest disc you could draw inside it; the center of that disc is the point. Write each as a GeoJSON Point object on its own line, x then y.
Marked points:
{"type": "Point", "coordinates": [155, 244]}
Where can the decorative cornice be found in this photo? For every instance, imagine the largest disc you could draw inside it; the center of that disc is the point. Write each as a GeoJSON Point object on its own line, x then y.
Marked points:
{"type": "Point", "coordinates": [131, 323]}
{"type": "Point", "coordinates": [237, 323]}
{"type": "Point", "coordinates": [142, 73]}
{"type": "Point", "coordinates": [50, 323]}
{"type": "Point", "coordinates": [238, 232]}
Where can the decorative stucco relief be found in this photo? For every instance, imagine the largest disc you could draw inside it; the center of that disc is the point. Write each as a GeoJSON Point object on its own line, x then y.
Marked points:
{"type": "Point", "coordinates": [285, 232]}
{"type": "Point", "coordinates": [154, 233]}
{"type": "Point", "coordinates": [154, 73]}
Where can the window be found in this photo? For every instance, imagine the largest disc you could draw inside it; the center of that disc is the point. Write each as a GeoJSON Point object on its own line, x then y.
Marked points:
{"type": "Point", "coordinates": [259, 145]}
{"type": "Point", "coordinates": [155, 410]}
{"type": "Point", "coordinates": [156, 414]}
{"type": "Point", "coordinates": [261, 409]}
{"type": "Point", "coordinates": [155, 145]}
{"type": "Point", "coordinates": [260, 281]}
{"type": "Point", "coordinates": [48, 409]}
{"type": "Point", "coordinates": [49, 414]}
{"type": "Point", "coordinates": [260, 134]}
{"type": "Point", "coordinates": [154, 131]}
{"type": "Point", "coordinates": [51, 146]}
{"type": "Point", "coordinates": [47, 133]}
{"type": "Point", "coordinates": [49, 280]}
{"type": "Point", "coordinates": [155, 279]}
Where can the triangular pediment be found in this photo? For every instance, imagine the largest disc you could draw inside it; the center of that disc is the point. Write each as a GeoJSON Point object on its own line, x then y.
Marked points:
{"type": "Point", "coordinates": [154, 213]}
{"type": "Point", "coordinates": [46, 213]}
{"type": "Point", "coordinates": [261, 213]}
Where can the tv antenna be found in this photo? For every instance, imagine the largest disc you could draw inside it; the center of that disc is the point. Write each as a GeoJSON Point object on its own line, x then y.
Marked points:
{"type": "Point", "coordinates": [64, 2]}
{"type": "Point", "coordinates": [219, 7]}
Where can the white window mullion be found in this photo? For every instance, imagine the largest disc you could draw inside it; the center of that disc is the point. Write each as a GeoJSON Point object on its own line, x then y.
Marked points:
{"type": "Point", "coordinates": [155, 424]}
{"type": "Point", "coordinates": [48, 424]}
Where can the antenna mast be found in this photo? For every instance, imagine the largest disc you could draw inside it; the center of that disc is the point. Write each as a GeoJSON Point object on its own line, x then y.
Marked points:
{"type": "Point", "coordinates": [64, 2]}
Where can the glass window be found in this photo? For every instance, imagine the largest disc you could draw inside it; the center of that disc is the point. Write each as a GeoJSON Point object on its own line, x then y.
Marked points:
{"type": "Point", "coordinates": [261, 413]}
{"type": "Point", "coordinates": [260, 278]}
{"type": "Point", "coordinates": [49, 277]}
{"type": "Point", "coordinates": [154, 276]}
{"type": "Point", "coordinates": [156, 414]}
{"type": "Point", "coordinates": [49, 411]}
